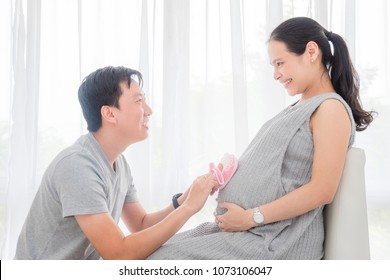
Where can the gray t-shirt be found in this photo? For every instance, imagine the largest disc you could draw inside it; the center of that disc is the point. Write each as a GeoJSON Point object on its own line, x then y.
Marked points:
{"type": "Point", "coordinates": [79, 181]}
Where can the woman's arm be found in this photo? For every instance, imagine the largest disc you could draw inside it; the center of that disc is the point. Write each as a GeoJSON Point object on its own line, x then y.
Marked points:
{"type": "Point", "coordinates": [331, 128]}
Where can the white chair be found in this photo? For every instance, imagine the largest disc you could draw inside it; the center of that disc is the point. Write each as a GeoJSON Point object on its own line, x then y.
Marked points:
{"type": "Point", "coordinates": [346, 223]}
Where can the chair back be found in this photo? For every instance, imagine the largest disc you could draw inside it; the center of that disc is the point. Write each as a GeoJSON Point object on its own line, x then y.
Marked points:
{"type": "Point", "coordinates": [346, 222]}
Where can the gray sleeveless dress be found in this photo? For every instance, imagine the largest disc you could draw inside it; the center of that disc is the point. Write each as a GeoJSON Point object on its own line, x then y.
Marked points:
{"type": "Point", "coordinates": [277, 161]}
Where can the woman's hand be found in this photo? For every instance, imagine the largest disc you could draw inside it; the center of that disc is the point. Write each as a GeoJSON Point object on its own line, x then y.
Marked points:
{"type": "Point", "coordinates": [201, 188]}
{"type": "Point", "coordinates": [235, 218]}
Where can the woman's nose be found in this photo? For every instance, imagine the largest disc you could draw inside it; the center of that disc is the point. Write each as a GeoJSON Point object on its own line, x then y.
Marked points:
{"type": "Point", "coordinates": [276, 74]}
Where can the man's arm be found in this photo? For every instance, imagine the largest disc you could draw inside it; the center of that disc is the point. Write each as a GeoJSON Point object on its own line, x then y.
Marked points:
{"type": "Point", "coordinates": [107, 238]}
{"type": "Point", "coordinates": [135, 217]}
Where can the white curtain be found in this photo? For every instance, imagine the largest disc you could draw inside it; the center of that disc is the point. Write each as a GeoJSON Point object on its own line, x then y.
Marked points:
{"type": "Point", "coordinates": [207, 78]}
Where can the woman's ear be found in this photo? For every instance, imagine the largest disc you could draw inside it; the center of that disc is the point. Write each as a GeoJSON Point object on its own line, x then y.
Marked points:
{"type": "Point", "coordinates": [312, 51]}
{"type": "Point", "coordinates": [108, 114]}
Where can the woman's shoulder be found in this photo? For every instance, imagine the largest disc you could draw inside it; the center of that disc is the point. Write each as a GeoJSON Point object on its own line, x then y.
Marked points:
{"type": "Point", "coordinates": [333, 117]}
{"type": "Point", "coordinates": [333, 103]}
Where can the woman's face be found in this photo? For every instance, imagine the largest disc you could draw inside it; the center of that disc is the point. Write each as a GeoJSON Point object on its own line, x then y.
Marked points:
{"type": "Point", "coordinates": [291, 70]}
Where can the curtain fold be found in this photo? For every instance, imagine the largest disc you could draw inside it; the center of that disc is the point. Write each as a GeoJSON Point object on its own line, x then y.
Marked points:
{"type": "Point", "coordinates": [24, 119]}
{"type": "Point", "coordinates": [175, 115]}
{"type": "Point", "coordinates": [239, 75]}
{"type": "Point", "coordinates": [350, 27]}
{"type": "Point", "coordinates": [385, 13]}
{"type": "Point", "coordinates": [321, 12]}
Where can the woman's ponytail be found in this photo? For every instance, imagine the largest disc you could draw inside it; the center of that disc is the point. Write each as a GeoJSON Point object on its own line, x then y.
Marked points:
{"type": "Point", "coordinates": [345, 80]}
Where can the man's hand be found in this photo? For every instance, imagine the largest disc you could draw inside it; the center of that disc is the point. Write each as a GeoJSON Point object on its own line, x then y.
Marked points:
{"type": "Point", "coordinates": [199, 191]}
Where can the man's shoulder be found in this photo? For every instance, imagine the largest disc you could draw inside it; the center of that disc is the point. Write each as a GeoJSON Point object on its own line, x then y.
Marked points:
{"type": "Point", "coordinates": [74, 156]}
{"type": "Point", "coordinates": [73, 150]}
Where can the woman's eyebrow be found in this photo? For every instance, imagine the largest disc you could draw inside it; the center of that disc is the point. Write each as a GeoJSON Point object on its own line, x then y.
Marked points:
{"type": "Point", "coordinates": [274, 61]}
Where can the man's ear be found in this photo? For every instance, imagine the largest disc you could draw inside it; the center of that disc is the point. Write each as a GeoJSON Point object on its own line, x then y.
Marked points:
{"type": "Point", "coordinates": [108, 114]}
{"type": "Point", "coordinates": [312, 51]}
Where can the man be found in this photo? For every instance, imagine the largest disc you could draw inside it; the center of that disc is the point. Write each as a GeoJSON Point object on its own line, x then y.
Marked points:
{"type": "Point", "coordinates": [88, 186]}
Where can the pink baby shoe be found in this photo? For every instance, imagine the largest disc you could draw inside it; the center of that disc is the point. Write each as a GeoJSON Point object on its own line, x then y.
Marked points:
{"type": "Point", "coordinates": [230, 164]}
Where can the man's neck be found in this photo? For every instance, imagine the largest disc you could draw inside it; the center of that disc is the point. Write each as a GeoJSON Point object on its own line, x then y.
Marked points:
{"type": "Point", "coordinates": [111, 147]}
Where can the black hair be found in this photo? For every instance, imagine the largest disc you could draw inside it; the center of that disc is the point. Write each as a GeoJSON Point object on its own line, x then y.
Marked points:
{"type": "Point", "coordinates": [297, 32]}
{"type": "Point", "coordinates": [102, 87]}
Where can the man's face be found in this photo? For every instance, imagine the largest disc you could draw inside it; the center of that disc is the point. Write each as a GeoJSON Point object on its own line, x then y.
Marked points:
{"type": "Point", "coordinates": [133, 113]}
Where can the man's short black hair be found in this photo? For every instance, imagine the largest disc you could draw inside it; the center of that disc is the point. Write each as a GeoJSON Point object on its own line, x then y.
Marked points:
{"type": "Point", "coordinates": [102, 87]}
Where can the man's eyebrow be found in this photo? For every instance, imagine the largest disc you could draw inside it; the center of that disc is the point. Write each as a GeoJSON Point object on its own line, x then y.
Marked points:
{"type": "Point", "coordinates": [137, 94]}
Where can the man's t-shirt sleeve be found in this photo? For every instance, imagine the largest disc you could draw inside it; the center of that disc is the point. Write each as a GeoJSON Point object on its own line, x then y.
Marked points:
{"type": "Point", "coordinates": [81, 188]}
